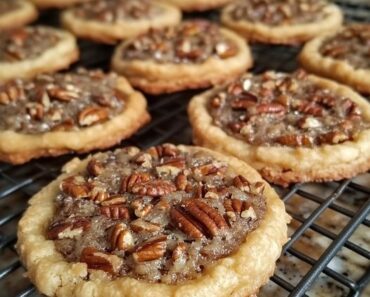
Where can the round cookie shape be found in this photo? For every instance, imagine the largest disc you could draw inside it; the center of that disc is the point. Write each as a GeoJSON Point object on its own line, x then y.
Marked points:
{"type": "Point", "coordinates": [290, 127]}
{"type": "Point", "coordinates": [167, 220]}
{"type": "Point", "coordinates": [198, 5]}
{"type": "Point", "coordinates": [53, 114]}
{"type": "Point", "coordinates": [281, 22]}
{"type": "Point", "coordinates": [16, 13]}
{"type": "Point", "coordinates": [109, 21]}
{"type": "Point", "coordinates": [343, 56]}
{"type": "Point", "coordinates": [28, 51]}
{"type": "Point", "coordinates": [195, 54]}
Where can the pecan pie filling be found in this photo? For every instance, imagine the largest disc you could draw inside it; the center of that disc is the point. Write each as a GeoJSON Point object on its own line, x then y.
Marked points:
{"type": "Point", "coordinates": [285, 109]}
{"type": "Point", "coordinates": [26, 43]}
{"type": "Point", "coordinates": [278, 12]}
{"type": "Point", "coordinates": [161, 215]}
{"type": "Point", "coordinates": [8, 6]}
{"type": "Point", "coordinates": [351, 44]}
{"type": "Point", "coordinates": [190, 42]}
{"type": "Point", "coordinates": [111, 11]}
{"type": "Point", "coordinates": [59, 102]}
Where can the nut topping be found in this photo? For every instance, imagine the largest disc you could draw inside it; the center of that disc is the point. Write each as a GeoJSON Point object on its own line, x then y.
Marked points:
{"type": "Point", "coordinates": [124, 216]}
{"type": "Point", "coordinates": [285, 109]}
{"type": "Point", "coordinates": [190, 42]}
{"type": "Point", "coordinates": [92, 115]}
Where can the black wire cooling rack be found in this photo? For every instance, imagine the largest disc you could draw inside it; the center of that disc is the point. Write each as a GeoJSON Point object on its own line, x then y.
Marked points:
{"type": "Point", "coordinates": [329, 250]}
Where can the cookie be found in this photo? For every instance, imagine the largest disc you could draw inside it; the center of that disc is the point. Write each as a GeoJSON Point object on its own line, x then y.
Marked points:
{"type": "Point", "coordinates": [167, 221]}
{"type": "Point", "coordinates": [111, 20]}
{"type": "Point", "coordinates": [198, 5]}
{"type": "Point", "coordinates": [290, 127]}
{"type": "Point", "coordinates": [16, 13]}
{"type": "Point", "coordinates": [55, 114]}
{"type": "Point", "coordinates": [195, 54]}
{"type": "Point", "coordinates": [343, 56]}
{"type": "Point", "coordinates": [44, 4]}
{"type": "Point", "coordinates": [28, 51]}
{"type": "Point", "coordinates": [281, 22]}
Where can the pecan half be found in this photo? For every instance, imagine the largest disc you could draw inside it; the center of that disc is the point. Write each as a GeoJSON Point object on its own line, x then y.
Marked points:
{"type": "Point", "coordinates": [115, 212]}
{"type": "Point", "coordinates": [92, 115]}
{"type": "Point", "coordinates": [60, 230]}
{"type": "Point", "coordinates": [58, 93]}
{"type": "Point", "coordinates": [95, 167]}
{"type": "Point", "coordinates": [241, 183]}
{"type": "Point", "coordinates": [75, 186]}
{"type": "Point", "coordinates": [121, 238]}
{"type": "Point", "coordinates": [295, 140]}
{"type": "Point", "coordinates": [99, 260]}
{"type": "Point", "coordinates": [186, 223]}
{"type": "Point", "coordinates": [154, 188]}
{"type": "Point", "coordinates": [140, 226]}
{"type": "Point", "coordinates": [164, 150]}
{"type": "Point", "coordinates": [151, 250]}
{"type": "Point", "coordinates": [128, 182]}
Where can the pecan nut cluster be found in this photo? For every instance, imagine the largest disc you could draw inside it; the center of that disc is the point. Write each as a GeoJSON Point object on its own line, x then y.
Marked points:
{"type": "Point", "coordinates": [285, 109]}
{"type": "Point", "coordinates": [277, 12]}
{"type": "Point", "coordinates": [189, 42]}
{"type": "Point", "coordinates": [26, 43]}
{"type": "Point", "coordinates": [111, 11]}
{"type": "Point", "coordinates": [161, 214]}
{"type": "Point", "coordinates": [351, 44]}
{"type": "Point", "coordinates": [59, 102]}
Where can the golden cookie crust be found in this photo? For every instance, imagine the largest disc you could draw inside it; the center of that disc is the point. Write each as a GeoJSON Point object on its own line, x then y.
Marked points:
{"type": "Point", "coordinates": [56, 3]}
{"type": "Point", "coordinates": [312, 60]}
{"type": "Point", "coordinates": [240, 274]}
{"type": "Point", "coordinates": [198, 5]}
{"type": "Point", "coordinates": [284, 165]}
{"type": "Point", "coordinates": [17, 148]}
{"type": "Point", "coordinates": [25, 14]}
{"type": "Point", "coordinates": [284, 34]}
{"type": "Point", "coordinates": [111, 33]}
{"type": "Point", "coordinates": [58, 57]}
{"type": "Point", "coordinates": [155, 78]}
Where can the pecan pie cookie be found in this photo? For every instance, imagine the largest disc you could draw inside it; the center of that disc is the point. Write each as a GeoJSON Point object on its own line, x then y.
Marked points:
{"type": "Point", "coordinates": [281, 21]}
{"type": "Point", "coordinates": [28, 51]}
{"type": "Point", "coordinates": [56, 3]}
{"type": "Point", "coordinates": [55, 114]}
{"type": "Point", "coordinates": [198, 5]}
{"type": "Point", "coordinates": [195, 54]}
{"type": "Point", "coordinates": [290, 127]}
{"type": "Point", "coordinates": [111, 20]}
{"type": "Point", "coordinates": [16, 13]}
{"type": "Point", "coordinates": [166, 221]}
{"type": "Point", "coordinates": [343, 56]}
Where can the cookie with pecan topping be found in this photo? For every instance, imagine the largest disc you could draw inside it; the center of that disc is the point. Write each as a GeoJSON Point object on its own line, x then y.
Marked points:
{"type": "Point", "coordinates": [281, 22]}
{"type": "Point", "coordinates": [109, 21]}
{"type": "Point", "coordinates": [54, 114]}
{"type": "Point", "coordinates": [195, 54]}
{"type": "Point", "coordinates": [291, 127]}
{"type": "Point", "coordinates": [343, 56]}
{"type": "Point", "coordinates": [198, 5]}
{"type": "Point", "coordinates": [168, 220]}
{"type": "Point", "coordinates": [16, 13]}
{"type": "Point", "coordinates": [28, 51]}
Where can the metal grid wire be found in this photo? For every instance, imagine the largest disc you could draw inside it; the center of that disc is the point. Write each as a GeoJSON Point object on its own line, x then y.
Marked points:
{"type": "Point", "coordinates": [170, 124]}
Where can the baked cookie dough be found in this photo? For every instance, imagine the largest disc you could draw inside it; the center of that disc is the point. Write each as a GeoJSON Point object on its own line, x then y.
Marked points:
{"type": "Point", "coordinates": [290, 127]}
{"type": "Point", "coordinates": [54, 114]}
{"type": "Point", "coordinates": [343, 56]}
{"type": "Point", "coordinates": [195, 54]}
{"type": "Point", "coordinates": [167, 221]}
{"type": "Point", "coordinates": [281, 22]}
{"type": "Point", "coordinates": [28, 51]}
{"type": "Point", "coordinates": [198, 5]}
{"type": "Point", "coordinates": [16, 13]}
{"type": "Point", "coordinates": [112, 20]}
{"type": "Point", "coordinates": [57, 3]}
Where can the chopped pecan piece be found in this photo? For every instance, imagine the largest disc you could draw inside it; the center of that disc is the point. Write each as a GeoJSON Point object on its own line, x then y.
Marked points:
{"type": "Point", "coordinates": [121, 238]}
{"type": "Point", "coordinates": [181, 181]}
{"type": "Point", "coordinates": [114, 200]}
{"type": "Point", "coordinates": [179, 253]}
{"type": "Point", "coordinates": [56, 92]}
{"type": "Point", "coordinates": [295, 140]}
{"type": "Point", "coordinates": [92, 115]}
{"type": "Point", "coordinates": [128, 182]}
{"type": "Point", "coordinates": [95, 167]}
{"type": "Point", "coordinates": [101, 261]}
{"type": "Point", "coordinates": [241, 183]}
{"type": "Point", "coordinates": [70, 229]}
{"type": "Point", "coordinates": [154, 188]}
{"type": "Point", "coordinates": [75, 186]}
{"type": "Point", "coordinates": [151, 250]}
{"type": "Point", "coordinates": [140, 225]}
{"type": "Point", "coordinates": [165, 150]}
